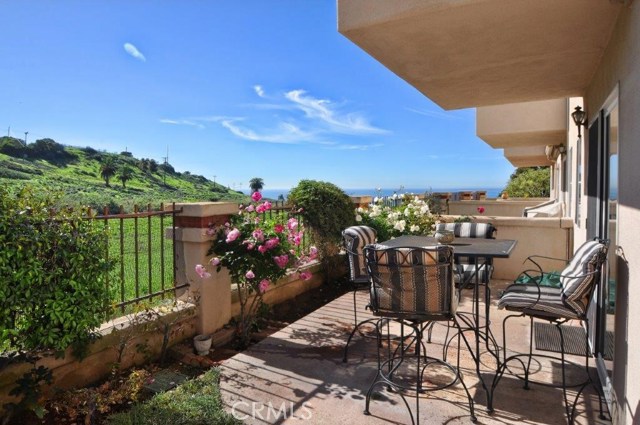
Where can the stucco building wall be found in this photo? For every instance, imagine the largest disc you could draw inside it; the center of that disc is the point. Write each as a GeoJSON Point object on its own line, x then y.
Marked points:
{"type": "Point", "coordinates": [620, 66]}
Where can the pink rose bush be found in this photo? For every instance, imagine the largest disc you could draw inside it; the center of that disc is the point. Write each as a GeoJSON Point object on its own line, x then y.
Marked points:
{"type": "Point", "coordinates": [259, 247]}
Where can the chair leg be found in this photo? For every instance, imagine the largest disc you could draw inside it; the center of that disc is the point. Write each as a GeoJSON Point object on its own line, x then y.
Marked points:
{"type": "Point", "coordinates": [469, 398]}
{"type": "Point", "coordinates": [353, 332]}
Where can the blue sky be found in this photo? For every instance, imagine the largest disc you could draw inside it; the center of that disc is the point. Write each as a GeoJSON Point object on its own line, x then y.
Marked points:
{"type": "Point", "coordinates": [233, 89]}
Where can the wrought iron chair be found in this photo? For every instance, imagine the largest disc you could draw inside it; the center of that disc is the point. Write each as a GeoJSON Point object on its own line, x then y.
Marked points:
{"type": "Point", "coordinates": [557, 306]}
{"type": "Point", "coordinates": [355, 238]}
{"type": "Point", "coordinates": [415, 287]}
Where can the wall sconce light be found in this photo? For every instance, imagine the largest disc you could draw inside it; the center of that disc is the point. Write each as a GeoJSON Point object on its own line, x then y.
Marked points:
{"type": "Point", "coordinates": [579, 118]}
{"type": "Point", "coordinates": [554, 151]}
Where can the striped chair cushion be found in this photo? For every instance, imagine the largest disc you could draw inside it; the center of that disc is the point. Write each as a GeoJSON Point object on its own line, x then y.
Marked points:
{"type": "Point", "coordinates": [411, 281]}
{"type": "Point", "coordinates": [355, 238]}
{"type": "Point", "coordinates": [469, 230]}
{"type": "Point", "coordinates": [464, 265]}
{"type": "Point", "coordinates": [578, 278]}
{"type": "Point", "coordinates": [465, 273]}
{"type": "Point", "coordinates": [520, 297]}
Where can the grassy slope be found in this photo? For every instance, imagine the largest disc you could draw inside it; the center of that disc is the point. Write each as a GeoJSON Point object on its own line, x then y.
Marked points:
{"type": "Point", "coordinates": [81, 184]}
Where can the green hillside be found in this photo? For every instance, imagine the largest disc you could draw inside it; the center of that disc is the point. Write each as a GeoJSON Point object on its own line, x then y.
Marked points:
{"type": "Point", "coordinates": [77, 174]}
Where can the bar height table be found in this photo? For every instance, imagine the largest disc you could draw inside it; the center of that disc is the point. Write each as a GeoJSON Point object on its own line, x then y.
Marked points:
{"type": "Point", "coordinates": [482, 252]}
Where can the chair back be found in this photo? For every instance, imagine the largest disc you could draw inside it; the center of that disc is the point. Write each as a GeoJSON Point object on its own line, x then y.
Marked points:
{"type": "Point", "coordinates": [412, 283]}
{"type": "Point", "coordinates": [355, 238]}
{"type": "Point", "coordinates": [469, 230]}
{"type": "Point", "coordinates": [582, 274]}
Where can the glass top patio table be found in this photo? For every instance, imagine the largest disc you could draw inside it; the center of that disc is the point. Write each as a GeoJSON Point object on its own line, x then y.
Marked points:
{"type": "Point", "coordinates": [481, 252]}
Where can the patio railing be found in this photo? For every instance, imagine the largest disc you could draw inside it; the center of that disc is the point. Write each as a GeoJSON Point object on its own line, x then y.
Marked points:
{"type": "Point", "coordinates": [144, 268]}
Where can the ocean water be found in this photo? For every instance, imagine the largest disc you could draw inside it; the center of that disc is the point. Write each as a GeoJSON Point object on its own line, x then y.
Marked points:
{"type": "Point", "coordinates": [492, 192]}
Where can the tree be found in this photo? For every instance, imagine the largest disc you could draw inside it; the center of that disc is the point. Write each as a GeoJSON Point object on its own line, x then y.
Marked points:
{"type": "Point", "coordinates": [107, 169]}
{"type": "Point", "coordinates": [529, 182]}
{"type": "Point", "coordinates": [256, 184]}
{"type": "Point", "coordinates": [125, 174]}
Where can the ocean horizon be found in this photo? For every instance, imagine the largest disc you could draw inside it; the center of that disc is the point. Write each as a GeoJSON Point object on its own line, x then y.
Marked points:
{"type": "Point", "coordinates": [492, 192]}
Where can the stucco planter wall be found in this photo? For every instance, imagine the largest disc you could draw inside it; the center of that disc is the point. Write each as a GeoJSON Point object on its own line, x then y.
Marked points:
{"type": "Point", "coordinates": [70, 372]}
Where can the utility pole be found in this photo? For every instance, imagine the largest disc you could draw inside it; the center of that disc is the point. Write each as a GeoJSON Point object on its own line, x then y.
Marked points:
{"type": "Point", "coordinates": [9, 131]}
{"type": "Point", "coordinates": [214, 181]}
{"type": "Point", "coordinates": [25, 137]}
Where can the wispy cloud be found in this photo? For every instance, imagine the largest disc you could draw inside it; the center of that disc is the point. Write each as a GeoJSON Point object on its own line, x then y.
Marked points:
{"type": "Point", "coordinates": [435, 114]}
{"type": "Point", "coordinates": [285, 133]}
{"type": "Point", "coordinates": [324, 110]}
{"type": "Point", "coordinates": [182, 122]}
{"type": "Point", "coordinates": [259, 90]}
{"type": "Point", "coordinates": [134, 52]}
{"type": "Point", "coordinates": [301, 119]}
{"type": "Point", "coordinates": [354, 147]}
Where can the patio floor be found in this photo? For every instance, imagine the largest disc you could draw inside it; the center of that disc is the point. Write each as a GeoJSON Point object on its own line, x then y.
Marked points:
{"type": "Point", "coordinates": [297, 375]}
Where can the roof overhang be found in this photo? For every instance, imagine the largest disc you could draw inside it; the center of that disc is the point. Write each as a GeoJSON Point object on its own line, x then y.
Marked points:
{"type": "Point", "coordinates": [469, 53]}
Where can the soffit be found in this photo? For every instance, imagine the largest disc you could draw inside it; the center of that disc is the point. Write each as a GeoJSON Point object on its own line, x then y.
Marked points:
{"type": "Point", "coordinates": [466, 53]}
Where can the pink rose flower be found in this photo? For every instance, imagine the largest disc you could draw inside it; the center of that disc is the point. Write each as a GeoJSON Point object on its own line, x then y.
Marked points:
{"type": "Point", "coordinates": [258, 235]}
{"type": "Point", "coordinates": [262, 249]}
{"type": "Point", "coordinates": [202, 272]}
{"type": "Point", "coordinates": [250, 246]}
{"type": "Point", "coordinates": [249, 275]}
{"type": "Point", "coordinates": [481, 210]}
{"type": "Point", "coordinates": [278, 228]}
{"type": "Point", "coordinates": [272, 243]}
{"type": "Point", "coordinates": [313, 253]}
{"type": "Point", "coordinates": [233, 235]}
{"type": "Point", "coordinates": [263, 286]}
{"type": "Point", "coordinates": [260, 208]}
{"type": "Point", "coordinates": [292, 224]}
{"type": "Point", "coordinates": [297, 239]}
{"type": "Point", "coordinates": [250, 208]}
{"type": "Point", "coordinates": [305, 275]}
{"type": "Point", "coordinates": [256, 196]}
{"type": "Point", "coordinates": [281, 260]}
{"type": "Point", "coordinates": [214, 261]}
{"type": "Point", "coordinates": [267, 205]}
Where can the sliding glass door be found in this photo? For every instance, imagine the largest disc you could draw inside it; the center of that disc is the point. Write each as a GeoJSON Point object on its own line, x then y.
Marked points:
{"type": "Point", "coordinates": [602, 222]}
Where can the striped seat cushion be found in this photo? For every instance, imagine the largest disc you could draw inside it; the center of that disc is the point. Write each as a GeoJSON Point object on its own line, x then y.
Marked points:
{"type": "Point", "coordinates": [520, 297]}
{"type": "Point", "coordinates": [579, 277]}
{"type": "Point", "coordinates": [355, 238]}
{"type": "Point", "coordinates": [469, 230]}
{"type": "Point", "coordinates": [465, 273]}
{"type": "Point", "coordinates": [413, 281]}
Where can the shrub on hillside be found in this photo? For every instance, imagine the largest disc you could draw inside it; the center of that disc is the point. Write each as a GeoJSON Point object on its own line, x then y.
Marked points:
{"type": "Point", "coordinates": [12, 147]}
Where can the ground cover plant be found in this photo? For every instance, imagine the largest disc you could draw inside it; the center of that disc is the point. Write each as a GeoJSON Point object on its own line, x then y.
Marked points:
{"type": "Point", "coordinates": [196, 402]}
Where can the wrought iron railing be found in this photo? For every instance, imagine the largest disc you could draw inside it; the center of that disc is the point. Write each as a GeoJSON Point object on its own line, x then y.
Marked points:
{"type": "Point", "coordinates": [144, 268]}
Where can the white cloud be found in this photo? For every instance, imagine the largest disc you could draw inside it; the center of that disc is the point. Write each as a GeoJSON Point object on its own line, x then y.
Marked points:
{"type": "Point", "coordinates": [285, 133]}
{"type": "Point", "coordinates": [134, 52]}
{"type": "Point", "coordinates": [450, 115]}
{"type": "Point", "coordinates": [181, 122]}
{"type": "Point", "coordinates": [259, 90]}
{"type": "Point", "coordinates": [355, 147]}
{"type": "Point", "coordinates": [324, 111]}
{"type": "Point", "coordinates": [300, 119]}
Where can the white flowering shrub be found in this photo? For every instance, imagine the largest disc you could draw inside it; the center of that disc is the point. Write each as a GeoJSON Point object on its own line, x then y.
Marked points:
{"type": "Point", "coordinates": [412, 217]}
